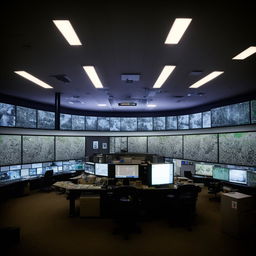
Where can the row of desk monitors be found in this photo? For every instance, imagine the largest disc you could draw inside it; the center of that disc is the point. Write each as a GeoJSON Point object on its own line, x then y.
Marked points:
{"type": "Point", "coordinates": [24, 171]}
{"type": "Point", "coordinates": [157, 174]}
{"type": "Point", "coordinates": [234, 175]}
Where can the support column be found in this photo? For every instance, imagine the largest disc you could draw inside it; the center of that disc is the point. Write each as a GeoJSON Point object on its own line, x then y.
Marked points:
{"type": "Point", "coordinates": [57, 111]}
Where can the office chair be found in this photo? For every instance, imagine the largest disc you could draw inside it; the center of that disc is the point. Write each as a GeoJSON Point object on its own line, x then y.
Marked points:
{"type": "Point", "coordinates": [47, 181]}
{"type": "Point", "coordinates": [214, 187]}
{"type": "Point", "coordinates": [126, 210]}
{"type": "Point", "coordinates": [185, 205]}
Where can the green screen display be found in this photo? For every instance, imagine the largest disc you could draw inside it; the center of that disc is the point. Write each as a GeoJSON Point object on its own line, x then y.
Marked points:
{"type": "Point", "coordinates": [220, 173]}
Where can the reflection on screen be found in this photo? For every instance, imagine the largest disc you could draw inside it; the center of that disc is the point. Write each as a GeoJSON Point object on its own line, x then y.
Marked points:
{"type": "Point", "coordinates": [127, 171]}
{"type": "Point", "coordinates": [161, 174]}
{"type": "Point", "coordinates": [101, 169]}
{"type": "Point", "coordinates": [238, 176]}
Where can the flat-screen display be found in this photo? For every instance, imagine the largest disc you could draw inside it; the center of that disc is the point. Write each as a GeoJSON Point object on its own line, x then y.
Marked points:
{"type": "Point", "coordinates": [37, 165]}
{"type": "Point", "coordinates": [204, 169]}
{"type": "Point", "coordinates": [101, 169]}
{"type": "Point", "coordinates": [220, 173]}
{"type": "Point", "coordinates": [47, 164]}
{"type": "Point", "coordinates": [15, 167]}
{"type": "Point", "coordinates": [39, 171]}
{"type": "Point", "coordinates": [89, 167]}
{"type": "Point", "coordinates": [238, 176]}
{"type": "Point", "coordinates": [14, 175]}
{"type": "Point", "coordinates": [161, 174]}
{"type": "Point", "coordinates": [126, 171]}
{"type": "Point", "coordinates": [24, 172]}
{"type": "Point", "coordinates": [32, 171]}
{"type": "Point", "coordinates": [5, 168]}
{"type": "Point", "coordinates": [26, 166]}
{"type": "Point", "coordinates": [251, 179]}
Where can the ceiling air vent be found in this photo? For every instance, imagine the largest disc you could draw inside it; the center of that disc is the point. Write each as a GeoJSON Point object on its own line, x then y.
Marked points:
{"type": "Point", "coordinates": [130, 78]}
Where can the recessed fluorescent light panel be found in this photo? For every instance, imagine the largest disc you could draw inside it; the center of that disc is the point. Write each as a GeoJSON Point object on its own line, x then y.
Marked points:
{"type": "Point", "coordinates": [245, 54]}
{"type": "Point", "coordinates": [91, 72]}
{"type": "Point", "coordinates": [151, 105]}
{"type": "Point", "coordinates": [66, 29]}
{"type": "Point", "coordinates": [167, 70]}
{"type": "Point", "coordinates": [102, 105]}
{"type": "Point", "coordinates": [33, 79]}
{"type": "Point", "coordinates": [206, 79]}
{"type": "Point", "coordinates": [177, 30]}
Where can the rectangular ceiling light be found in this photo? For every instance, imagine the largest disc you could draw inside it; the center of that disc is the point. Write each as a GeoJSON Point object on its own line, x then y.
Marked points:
{"type": "Point", "coordinates": [102, 105]}
{"type": "Point", "coordinates": [151, 105]}
{"type": "Point", "coordinates": [67, 31]}
{"type": "Point", "coordinates": [91, 72]}
{"type": "Point", "coordinates": [167, 70]}
{"type": "Point", "coordinates": [246, 53]}
{"type": "Point", "coordinates": [177, 30]}
{"type": "Point", "coordinates": [33, 79]}
{"type": "Point", "coordinates": [206, 79]}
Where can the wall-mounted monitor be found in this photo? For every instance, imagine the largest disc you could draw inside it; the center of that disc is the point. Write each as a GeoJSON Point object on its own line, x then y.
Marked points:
{"type": "Point", "coordinates": [37, 165]}
{"type": "Point", "coordinates": [101, 169]}
{"type": "Point", "coordinates": [161, 174]}
{"type": "Point", "coordinates": [15, 167]}
{"type": "Point", "coordinates": [126, 171]}
{"type": "Point", "coordinates": [203, 169]}
{"type": "Point", "coordinates": [89, 167]}
{"type": "Point", "coordinates": [32, 172]}
{"type": "Point", "coordinates": [238, 176]}
{"type": "Point", "coordinates": [5, 168]}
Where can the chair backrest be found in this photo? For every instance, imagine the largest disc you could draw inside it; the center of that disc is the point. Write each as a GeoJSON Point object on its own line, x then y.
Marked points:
{"type": "Point", "coordinates": [188, 191]}
{"type": "Point", "coordinates": [48, 174]}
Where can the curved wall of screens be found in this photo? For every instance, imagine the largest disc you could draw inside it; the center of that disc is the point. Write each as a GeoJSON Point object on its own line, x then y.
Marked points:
{"type": "Point", "coordinates": [243, 113]}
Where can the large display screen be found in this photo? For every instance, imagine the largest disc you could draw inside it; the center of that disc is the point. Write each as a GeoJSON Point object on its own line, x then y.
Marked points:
{"type": "Point", "coordinates": [251, 179]}
{"type": "Point", "coordinates": [127, 171]}
{"type": "Point", "coordinates": [204, 169]}
{"type": "Point", "coordinates": [220, 173]}
{"type": "Point", "coordinates": [161, 174]}
{"type": "Point", "coordinates": [101, 169]}
{"type": "Point", "coordinates": [238, 176]}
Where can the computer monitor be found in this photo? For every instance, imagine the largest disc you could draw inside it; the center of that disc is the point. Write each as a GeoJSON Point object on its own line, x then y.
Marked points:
{"type": "Point", "coordinates": [101, 169]}
{"type": "Point", "coordinates": [220, 173]}
{"type": "Point", "coordinates": [14, 174]}
{"type": "Point", "coordinates": [89, 167]}
{"type": "Point", "coordinates": [161, 174]}
{"type": "Point", "coordinates": [32, 172]}
{"type": "Point", "coordinates": [238, 176]}
{"type": "Point", "coordinates": [203, 169]}
{"type": "Point", "coordinates": [126, 171]}
{"type": "Point", "coordinates": [5, 168]}
{"type": "Point", "coordinates": [24, 172]}
{"type": "Point", "coordinates": [15, 167]}
{"type": "Point", "coordinates": [39, 171]}
{"type": "Point", "coordinates": [251, 179]}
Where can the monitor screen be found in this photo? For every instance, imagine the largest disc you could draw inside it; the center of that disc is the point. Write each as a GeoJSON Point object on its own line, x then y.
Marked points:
{"type": "Point", "coordinates": [161, 174]}
{"type": "Point", "coordinates": [204, 169]}
{"type": "Point", "coordinates": [127, 171]}
{"type": "Point", "coordinates": [238, 176]}
{"type": "Point", "coordinates": [47, 164]}
{"type": "Point", "coordinates": [220, 173]}
{"type": "Point", "coordinates": [89, 167]}
{"type": "Point", "coordinates": [37, 165]}
{"type": "Point", "coordinates": [5, 168]}
{"type": "Point", "coordinates": [39, 171]}
{"type": "Point", "coordinates": [24, 172]}
{"type": "Point", "coordinates": [15, 167]}
{"type": "Point", "coordinates": [101, 169]}
{"type": "Point", "coordinates": [32, 171]}
{"type": "Point", "coordinates": [251, 179]}
{"type": "Point", "coordinates": [60, 168]}
{"type": "Point", "coordinates": [26, 166]}
{"type": "Point", "coordinates": [14, 174]}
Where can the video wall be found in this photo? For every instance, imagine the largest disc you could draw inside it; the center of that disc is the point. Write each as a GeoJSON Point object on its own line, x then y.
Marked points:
{"type": "Point", "coordinates": [230, 115]}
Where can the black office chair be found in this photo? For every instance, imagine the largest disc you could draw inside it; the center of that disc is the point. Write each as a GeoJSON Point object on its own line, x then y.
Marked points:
{"type": "Point", "coordinates": [214, 188]}
{"type": "Point", "coordinates": [47, 181]}
{"type": "Point", "coordinates": [126, 210]}
{"type": "Point", "coordinates": [185, 205]}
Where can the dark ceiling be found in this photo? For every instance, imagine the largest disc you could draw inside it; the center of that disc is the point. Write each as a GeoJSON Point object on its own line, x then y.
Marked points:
{"type": "Point", "coordinates": [127, 37]}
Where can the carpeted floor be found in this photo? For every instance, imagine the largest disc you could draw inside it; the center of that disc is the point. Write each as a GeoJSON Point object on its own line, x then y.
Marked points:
{"type": "Point", "coordinates": [46, 229]}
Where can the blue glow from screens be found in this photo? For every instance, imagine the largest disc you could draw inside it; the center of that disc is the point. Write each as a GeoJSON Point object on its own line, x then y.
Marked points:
{"type": "Point", "coordinates": [127, 171]}
{"type": "Point", "coordinates": [101, 169]}
{"type": "Point", "coordinates": [37, 165]}
{"type": "Point", "coordinates": [32, 171]}
{"type": "Point", "coordinates": [161, 174]}
{"type": "Point", "coordinates": [24, 172]}
{"type": "Point", "coordinates": [5, 168]}
{"type": "Point", "coordinates": [15, 167]}
{"type": "Point", "coordinates": [238, 176]}
{"type": "Point", "coordinates": [39, 171]}
{"type": "Point", "coordinates": [14, 175]}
